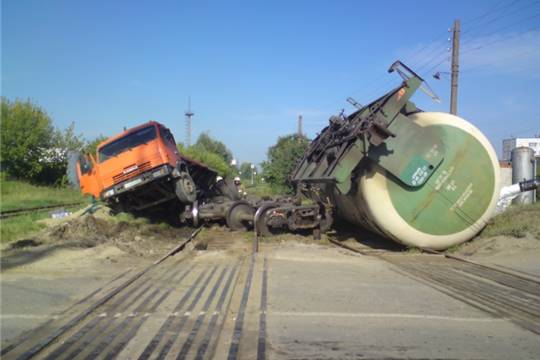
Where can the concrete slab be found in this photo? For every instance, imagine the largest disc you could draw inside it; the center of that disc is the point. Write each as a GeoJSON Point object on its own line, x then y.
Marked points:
{"type": "Point", "coordinates": [327, 303]}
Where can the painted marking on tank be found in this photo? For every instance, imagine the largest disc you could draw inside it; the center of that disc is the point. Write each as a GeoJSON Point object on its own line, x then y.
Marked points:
{"type": "Point", "coordinates": [433, 152]}
{"type": "Point", "coordinates": [441, 179]}
{"type": "Point", "coordinates": [452, 186]}
{"type": "Point", "coordinates": [385, 315]}
{"type": "Point", "coordinates": [463, 197]}
{"type": "Point", "coordinates": [420, 175]}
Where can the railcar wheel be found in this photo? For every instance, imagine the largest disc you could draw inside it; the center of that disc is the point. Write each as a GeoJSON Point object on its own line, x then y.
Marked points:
{"type": "Point", "coordinates": [240, 216]}
{"type": "Point", "coordinates": [261, 217]}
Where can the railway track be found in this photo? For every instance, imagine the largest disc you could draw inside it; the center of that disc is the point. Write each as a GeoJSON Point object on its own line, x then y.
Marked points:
{"type": "Point", "coordinates": [24, 211]}
{"type": "Point", "coordinates": [178, 307]}
{"type": "Point", "coordinates": [500, 292]}
{"type": "Point", "coordinates": [214, 305]}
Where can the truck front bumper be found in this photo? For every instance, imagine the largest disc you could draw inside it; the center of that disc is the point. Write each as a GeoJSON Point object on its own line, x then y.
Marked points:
{"type": "Point", "coordinates": [137, 182]}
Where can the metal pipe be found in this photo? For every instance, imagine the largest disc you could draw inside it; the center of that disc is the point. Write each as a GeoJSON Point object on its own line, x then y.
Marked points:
{"type": "Point", "coordinates": [522, 170]}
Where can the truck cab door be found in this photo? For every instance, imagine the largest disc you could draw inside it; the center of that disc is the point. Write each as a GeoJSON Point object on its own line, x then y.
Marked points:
{"type": "Point", "coordinates": [170, 145]}
{"type": "Point", "coordinates": [87, 174]}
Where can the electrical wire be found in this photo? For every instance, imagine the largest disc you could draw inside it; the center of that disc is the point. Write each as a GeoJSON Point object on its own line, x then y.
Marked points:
{"type": "Point", "coordinates": [513, 36]}
{"type": "Point", "coordinates": [471, 34]}
{"type": "Point", "coordinates": [477, 18]}
{"type": "Point", "coordinates": [494, 61]}
{"type": "Point", "coordinates": [428, 71]}
{"type": "Point", "coordinates": [487, 21]}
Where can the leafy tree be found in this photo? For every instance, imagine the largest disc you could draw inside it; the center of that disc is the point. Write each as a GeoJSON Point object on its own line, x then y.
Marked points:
{"type": "Point", "coordinates": [91, 146]}
{"type": "Point", "coordinates": [55, 158]}
{"type": "Point", "coordinates": [31, 148]}
{"type": "Point", "coordinates": [282, 158]}
{"type": "Point", "coordinates": [26, 134]}
{"type": "Point", "coordinates": [245, 171]}
{"type": "Point", "coordinates": [214, 146]}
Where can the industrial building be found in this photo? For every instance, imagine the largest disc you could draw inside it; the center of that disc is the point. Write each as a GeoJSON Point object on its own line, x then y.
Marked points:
{"type": "Point", "coordinates": [510, 144]}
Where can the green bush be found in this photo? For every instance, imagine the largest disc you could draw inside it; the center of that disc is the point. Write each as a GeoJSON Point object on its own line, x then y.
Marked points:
{"type": "Point", "coordinates": [26, 135]}
{"type": "Point", "coordinates": [211, 153]}
{"type": "Point", "coordinates": [282, 158]}
{"type": "Point", "coordinates": [210, 159]}
{"type": "Point", "coordinates": [31, 148]}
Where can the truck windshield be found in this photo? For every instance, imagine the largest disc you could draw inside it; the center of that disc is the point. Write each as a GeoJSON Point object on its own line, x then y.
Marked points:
{"type": "Point", "coordinates": [129, 141]}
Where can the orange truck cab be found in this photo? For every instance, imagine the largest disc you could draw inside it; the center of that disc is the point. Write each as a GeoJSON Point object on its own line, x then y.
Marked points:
{"type": "Point", "coordinates": [142, 168]}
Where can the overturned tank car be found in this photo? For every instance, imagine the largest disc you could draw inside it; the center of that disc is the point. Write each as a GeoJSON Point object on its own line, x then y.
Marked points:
{"type": "Point", "coordinates": [424, 179]}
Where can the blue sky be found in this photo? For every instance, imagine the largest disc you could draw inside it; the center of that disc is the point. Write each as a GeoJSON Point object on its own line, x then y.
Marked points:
{"type": "Point", "coordinates": [251, 67]}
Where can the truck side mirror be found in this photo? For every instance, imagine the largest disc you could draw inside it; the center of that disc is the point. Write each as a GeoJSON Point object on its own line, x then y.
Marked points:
{"type": "Point", "coordinates": [85, 164]}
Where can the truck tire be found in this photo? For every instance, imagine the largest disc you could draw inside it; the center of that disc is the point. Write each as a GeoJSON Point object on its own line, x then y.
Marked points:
{"type": "Point", "coordinates": [185, 189]}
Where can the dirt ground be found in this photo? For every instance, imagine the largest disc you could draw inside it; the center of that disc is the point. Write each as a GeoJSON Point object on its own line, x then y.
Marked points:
{"type": "Point", "coordinates": [44, 274]}
{"type": "Point", "coordinates": [135, 236]}
{"type": "Point", "coordinates": [143, 238]}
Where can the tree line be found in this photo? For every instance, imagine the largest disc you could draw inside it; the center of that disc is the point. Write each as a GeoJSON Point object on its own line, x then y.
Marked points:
{"type": "Point", "coordinates": [32, 149]}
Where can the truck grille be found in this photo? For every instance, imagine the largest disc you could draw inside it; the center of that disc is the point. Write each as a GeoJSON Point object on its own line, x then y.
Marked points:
{"type": "Point", "coordinates": [140, 169]}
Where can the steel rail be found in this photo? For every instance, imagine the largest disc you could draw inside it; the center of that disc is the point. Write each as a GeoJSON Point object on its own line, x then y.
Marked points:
{"type": "Point", "coordinates": [502, 300]}
{"type": "Point", "coordinates": [43, 344]}
{"type": "Point", "coordinates": [23, 211]}
{"type": "Point", "coordinates": [457, 258]}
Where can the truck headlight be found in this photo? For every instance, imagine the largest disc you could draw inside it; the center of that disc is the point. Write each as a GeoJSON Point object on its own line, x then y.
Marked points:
{"type": "Point", "coordinates": [159, 172]}
{"type": "Point", "coordinates": [108, 193]}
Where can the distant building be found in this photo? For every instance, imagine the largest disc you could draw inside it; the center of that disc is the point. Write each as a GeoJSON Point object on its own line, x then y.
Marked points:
{"type": "Point", "coordinates": [506, 172]}
{"type": "Point", "coordinates": [510, 144]}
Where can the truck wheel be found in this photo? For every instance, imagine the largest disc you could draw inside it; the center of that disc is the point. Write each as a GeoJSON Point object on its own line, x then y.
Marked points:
{"type": "Point", "coordinates": [185, 188]}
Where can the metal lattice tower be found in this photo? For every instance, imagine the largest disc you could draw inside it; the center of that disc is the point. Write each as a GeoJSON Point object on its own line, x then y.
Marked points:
{"type": "Point", "coordinates": [189, 115]}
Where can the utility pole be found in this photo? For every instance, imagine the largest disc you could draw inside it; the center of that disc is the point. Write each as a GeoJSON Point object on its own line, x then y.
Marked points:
{"type": "Point", "coordinates": [189, 115]}
{"type": "Point", "coordinates": [455, 67]}
{"type": "Point", "coordinates": [299, 126]}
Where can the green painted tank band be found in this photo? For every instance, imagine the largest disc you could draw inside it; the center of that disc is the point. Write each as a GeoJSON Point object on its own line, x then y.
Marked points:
{"type": "Point", "coordinates": [456, 195]}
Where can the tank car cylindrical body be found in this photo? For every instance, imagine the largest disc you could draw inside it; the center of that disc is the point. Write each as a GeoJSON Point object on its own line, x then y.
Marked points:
{"type": "Point", "coordinates": [450, 208]}
{"type": "Point", "coordinates": [423, 179]}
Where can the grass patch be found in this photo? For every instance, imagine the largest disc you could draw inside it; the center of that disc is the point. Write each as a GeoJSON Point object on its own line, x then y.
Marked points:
{"type": "Point", "coordinates": [17, 194]}
{"type": "Point", "coordinates": [264, 190]}
{"type": "Point", "coordinates": [516, 222]}
{"type": "Point", "coordinates": [129, 218]}
{"type": "Point", "coordinates": [17, 227]}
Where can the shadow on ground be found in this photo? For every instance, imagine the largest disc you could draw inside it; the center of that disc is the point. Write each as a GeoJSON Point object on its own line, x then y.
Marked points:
{"type": "Point", "coordinates": [347, 232]}
{"type": "Point", "coordinates": [32, 252]}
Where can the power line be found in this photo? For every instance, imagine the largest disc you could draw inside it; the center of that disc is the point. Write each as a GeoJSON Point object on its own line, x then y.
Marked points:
{"type": "Point", "coordinates": [494, 8]}
{"type": "Point", "coordinates": [466, 51]}
{"type": "Point", "coordinates": [491, 20]}
{"type": "Point", "coordinates": [428, 71]}
{"type": "Point", "coordinates": [485, 30]}
{"type": "Point", "coordinates": [494, 61]}
{"type": "Point", "coordinates": [412, 61]}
